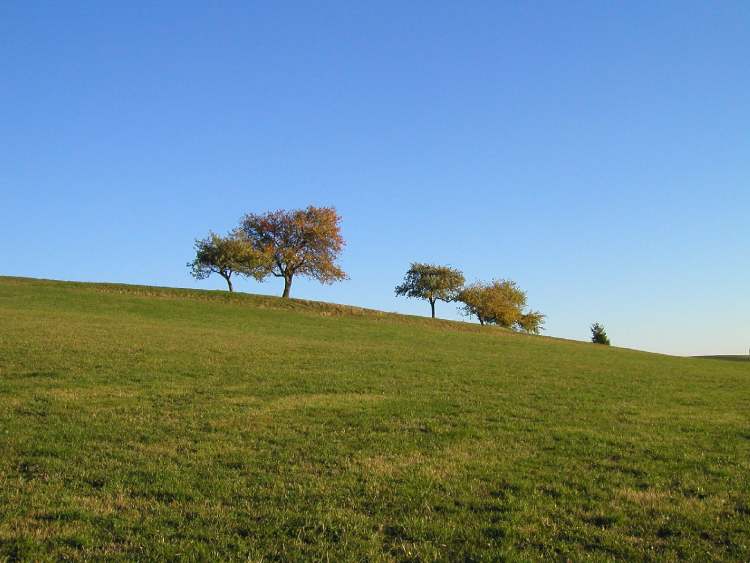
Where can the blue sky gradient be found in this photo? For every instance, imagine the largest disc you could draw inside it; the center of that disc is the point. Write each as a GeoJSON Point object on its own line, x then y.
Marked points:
{"type": "Point", "coordinates": [597, 153]}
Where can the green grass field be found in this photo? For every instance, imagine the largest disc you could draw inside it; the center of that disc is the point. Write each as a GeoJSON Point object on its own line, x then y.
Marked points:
{"type": "Point", "coordinates": [736, 358]}
{"type": "Point", "coordinates": [149, 423]}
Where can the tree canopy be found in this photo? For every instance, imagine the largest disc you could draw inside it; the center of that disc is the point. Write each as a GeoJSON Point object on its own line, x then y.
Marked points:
{"type": "Point", "coordinates": [500, 302]}
{"type": "Point", "coordinates": [599, 335]}
{"type": "Point", "coordinates": [431, 282]}
{"type": "Point", "coordinates": [531, 322]}
{"type": "Point", "coordinates": [305, 242]}
{"type": "Point", "coordinates": [226, 256]}
{"type": "Point", "coordinates": [308, 242]}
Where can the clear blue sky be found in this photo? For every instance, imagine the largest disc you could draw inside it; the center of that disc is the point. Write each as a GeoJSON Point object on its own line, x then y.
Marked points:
{"type": "Point", "coordinates": [596, 152]}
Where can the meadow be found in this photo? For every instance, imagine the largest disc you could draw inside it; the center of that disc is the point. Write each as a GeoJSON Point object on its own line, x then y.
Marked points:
{"type": "Point", "coordinates": [155, 423]}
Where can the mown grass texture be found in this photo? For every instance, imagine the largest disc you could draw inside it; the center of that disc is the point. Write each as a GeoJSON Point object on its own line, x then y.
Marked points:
{"type": "Point", "coordinates": [149, 423]}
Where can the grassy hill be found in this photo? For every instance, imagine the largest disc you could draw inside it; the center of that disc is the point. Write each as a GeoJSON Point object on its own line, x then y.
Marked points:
{"type": "Point", "coordinates": [730, 358]}
{"type": "Point", "coordinates": [141, 422]}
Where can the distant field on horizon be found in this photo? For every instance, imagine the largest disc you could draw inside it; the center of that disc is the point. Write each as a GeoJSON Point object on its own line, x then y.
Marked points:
{"type": "Point", "coordinates": [160, 423]}
{"type": "Point", "coordinates": [732, 358]}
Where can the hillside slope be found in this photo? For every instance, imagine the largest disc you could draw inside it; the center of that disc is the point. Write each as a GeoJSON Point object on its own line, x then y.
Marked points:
{"type": "Point", "coordinates": [146, 422]}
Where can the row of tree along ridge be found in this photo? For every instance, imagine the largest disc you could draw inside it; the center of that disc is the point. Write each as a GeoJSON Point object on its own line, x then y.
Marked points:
{"type": "Point", "coordinates": [307, 242]}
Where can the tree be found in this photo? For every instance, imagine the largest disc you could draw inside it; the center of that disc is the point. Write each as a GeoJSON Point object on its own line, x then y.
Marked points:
{"type": "Point", "coordinates": [304, 242]}
{"type": "Point", "coordinates": [599, 335]}
{"type": "Point", "coordinates": [531, 322]}
{"type": "Point", "coordinates": [474, 299]}
{"type": "Point", "coordinates": [500, 302]}
{"type": "Point", "coordinates": [431, 282]}
{"type": "Point", "coordinates": [226, 256]}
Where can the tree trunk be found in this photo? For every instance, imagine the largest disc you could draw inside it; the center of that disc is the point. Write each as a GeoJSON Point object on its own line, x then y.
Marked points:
{"type": "Point", "coordinates": [229, 283]}
{"type": "Point", "coordinates": [287, 286]}
{"type": "Point", "coordinates": [481, 320]}
{"type": "Point", "coordinates": [432, 305]}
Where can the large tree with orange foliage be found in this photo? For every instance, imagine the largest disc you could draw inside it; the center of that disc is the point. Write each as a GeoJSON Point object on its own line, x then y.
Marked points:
{"type": "Point", "coordinates": [305, 242]}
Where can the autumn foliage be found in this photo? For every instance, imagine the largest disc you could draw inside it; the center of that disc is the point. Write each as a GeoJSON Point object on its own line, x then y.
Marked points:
{"type": "Point", "coordinates": [500, 302]}
{"type": "Point", "coordinates": [305, 242]}
{"type": "Point", "coordinates": [285, 244]}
